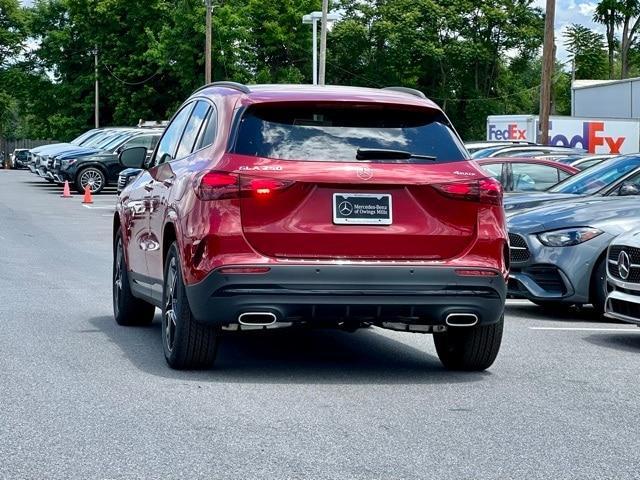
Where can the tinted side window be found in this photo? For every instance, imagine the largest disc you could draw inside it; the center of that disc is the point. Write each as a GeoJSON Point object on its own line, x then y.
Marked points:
{"type": "Point", "coordinates": [562, 175]}
{"type": "Point", "coordinates": [208, 135]}
{"type": "Point", "coordinates": [193, 128]}
{"type": "Point", "coordinates": [169, 143]}
{"type": "Point", "coordinates": [147, 141]}
{"type": "Point", "coordinates": [531, 177]}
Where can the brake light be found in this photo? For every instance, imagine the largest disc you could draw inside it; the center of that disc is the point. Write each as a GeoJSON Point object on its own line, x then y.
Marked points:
{"type": "Point", "coordinates": [263, 187]}
{"type": "Point", "coordinates": [490, 191]}
{"type": "Point", "coordinates": [487, 191]}
{"type": "Point", "coordinates": [216, 185]}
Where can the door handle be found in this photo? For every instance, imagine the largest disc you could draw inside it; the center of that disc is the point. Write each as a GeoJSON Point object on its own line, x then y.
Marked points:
{"type": "Point", "coordinates": [148, 186]}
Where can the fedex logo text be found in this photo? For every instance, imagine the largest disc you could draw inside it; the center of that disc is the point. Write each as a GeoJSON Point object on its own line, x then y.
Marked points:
{"type": "Point", "coordinates": [590, 139]}
{"type": "Point", "coordinates": [512, 132]}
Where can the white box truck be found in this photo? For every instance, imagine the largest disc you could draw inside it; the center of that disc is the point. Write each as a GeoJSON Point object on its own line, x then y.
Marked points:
{"type": "Point", "coordinates": [594, 135]}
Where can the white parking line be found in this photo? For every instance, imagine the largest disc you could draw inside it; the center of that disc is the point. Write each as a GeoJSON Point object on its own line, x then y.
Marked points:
{"type": "Point", "coordinates": [99, 207]}
{"type": "Point", "coordinates": [588, 329]}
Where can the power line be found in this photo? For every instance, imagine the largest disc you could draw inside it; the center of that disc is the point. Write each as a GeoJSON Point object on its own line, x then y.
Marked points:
{"type": "Point", "coordinates": [106, 67]}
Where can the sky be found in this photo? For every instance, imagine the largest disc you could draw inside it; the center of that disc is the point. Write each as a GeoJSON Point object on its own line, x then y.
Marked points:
{"type": "Point", "coordinates": [568, 12]}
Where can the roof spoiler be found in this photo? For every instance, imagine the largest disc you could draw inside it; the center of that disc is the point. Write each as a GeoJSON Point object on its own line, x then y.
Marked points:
{"type": "Point", "coordinates": [407, 90]}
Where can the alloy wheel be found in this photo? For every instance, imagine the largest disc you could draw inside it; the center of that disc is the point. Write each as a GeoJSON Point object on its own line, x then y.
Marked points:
{"type": "Point", "coordinates": [92, 179]}
{"type": "Point", "coordinates": [117, 276]}
{"type": "Point", "coordinates": [169, 319]}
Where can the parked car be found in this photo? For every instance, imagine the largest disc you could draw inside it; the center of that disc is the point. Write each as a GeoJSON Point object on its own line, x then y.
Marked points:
{"type": "Point", "coordinates": [20, 157]}
{"type": "Point", "coordinates": [101, 169]}
{"type": "Point", "coordinates": [623, 277]}
{"type": "Point", "coordinates": [45, 149]}
{"type": "Point", "coordinates": [473, 147]}
{"type": "Point", "coordinates": [105, 140]}
{"type": "Point", "coordinates": [43, 159]}
{"type": "Point", "coordinates": [616, 177]}
{"type": "Point", "coordinates": [590, 161]}
{"type": "Point", "coordinates": [526, 150]}
{"type": "Point", "coordinates": [126, 176]}
{"type": "Point", "coordinates": [558, 251]}
{"type": "Point", "coordinates": [526, 174]}
{"type": "Point", "coordinates": [276, 214]}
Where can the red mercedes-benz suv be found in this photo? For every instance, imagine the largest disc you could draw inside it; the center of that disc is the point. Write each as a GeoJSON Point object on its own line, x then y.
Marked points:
{"type": "Point", "coordinates": [276, 205]}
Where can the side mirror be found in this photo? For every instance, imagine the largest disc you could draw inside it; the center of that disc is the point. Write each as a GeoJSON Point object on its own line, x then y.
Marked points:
{"type": "Point", "coordinates": [133, 157]}
{"type": "Point", "coordinates": [628, 189]}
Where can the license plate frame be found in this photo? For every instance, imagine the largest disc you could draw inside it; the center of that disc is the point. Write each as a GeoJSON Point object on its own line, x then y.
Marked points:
{"type": "Point", "coordinates": [366, 212]}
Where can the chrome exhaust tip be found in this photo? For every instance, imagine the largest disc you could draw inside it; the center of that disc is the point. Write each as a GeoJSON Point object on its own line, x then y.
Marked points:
{"type": "Point", "coordinates": [257, 319]}
{"type": "Point", "coordinates": [461, 319]}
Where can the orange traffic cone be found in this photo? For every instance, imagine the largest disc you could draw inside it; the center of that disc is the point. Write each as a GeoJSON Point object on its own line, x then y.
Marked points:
{"type": "Point", "coordinates": [88, 198]}
{"type": "Point", "coordinates": [66, 192]}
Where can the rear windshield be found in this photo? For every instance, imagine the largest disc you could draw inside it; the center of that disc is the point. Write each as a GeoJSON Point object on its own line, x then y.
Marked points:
{"type": "Point", "coordinates": [334, 133]}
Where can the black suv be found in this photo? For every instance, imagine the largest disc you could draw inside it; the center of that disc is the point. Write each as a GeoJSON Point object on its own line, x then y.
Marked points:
{"type": "Point", "coordinates": [101, 169]}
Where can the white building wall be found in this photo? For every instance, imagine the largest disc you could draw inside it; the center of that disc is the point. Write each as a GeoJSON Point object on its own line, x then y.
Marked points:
{"type": "Point", "coordinates": [609, 100]}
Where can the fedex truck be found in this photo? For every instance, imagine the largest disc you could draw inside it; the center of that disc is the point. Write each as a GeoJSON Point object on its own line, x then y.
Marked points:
{"type": "Point", "coordinates": [594, 135]}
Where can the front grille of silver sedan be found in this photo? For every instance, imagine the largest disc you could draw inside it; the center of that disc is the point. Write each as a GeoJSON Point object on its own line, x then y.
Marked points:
{"type": "Point", "coordinates": [633, 254]}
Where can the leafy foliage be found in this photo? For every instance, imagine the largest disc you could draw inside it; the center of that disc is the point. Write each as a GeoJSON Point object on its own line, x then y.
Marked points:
{"type": "Point", "coordinates": [474, 57]}
{"type": "Point", "coordinates": [587, 52]}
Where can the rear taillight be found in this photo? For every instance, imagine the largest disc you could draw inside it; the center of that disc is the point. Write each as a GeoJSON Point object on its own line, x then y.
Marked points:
{"type": "Point", "coordinates": [220, 185]}
{"type": "Point", "coordinates": [487, 190]}
{"type": "Point", "coordinates": [217, 185]}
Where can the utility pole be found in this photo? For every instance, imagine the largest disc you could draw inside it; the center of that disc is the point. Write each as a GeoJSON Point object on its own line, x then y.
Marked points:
{"type": "Point", "coordinates": [207, 51]}
{"type": "Point", "coordinates": [547, 71]}
{"type": "Point", "coordinates": [323, 42]}
{"type": "Point", "coordinates": [97, 90]}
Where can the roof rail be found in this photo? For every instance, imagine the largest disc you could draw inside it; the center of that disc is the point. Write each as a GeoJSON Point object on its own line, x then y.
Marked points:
{"type": "Point", "coordinates": [233, 85]}
{"type": "Point", "coordinates": [407, 90]}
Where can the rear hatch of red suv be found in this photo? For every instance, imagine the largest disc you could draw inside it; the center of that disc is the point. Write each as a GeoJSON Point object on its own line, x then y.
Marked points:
{"type": "Point", "coordinates": [356, 181]}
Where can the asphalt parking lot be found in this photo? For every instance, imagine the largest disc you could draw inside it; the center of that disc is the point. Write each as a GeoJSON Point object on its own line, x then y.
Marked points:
{"type": "Point", "coordinates": [81, 397]}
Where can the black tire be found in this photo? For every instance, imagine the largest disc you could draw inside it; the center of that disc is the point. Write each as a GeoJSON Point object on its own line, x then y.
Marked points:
{"type": "Point", "coordinates": [469, 348]}
{"type": "Point", "coordinates": [187, 344]}
{"type": "Point", "coordinates": [128, 310]}
{"type": "Point", "coordinates": [598, 287]}
{"type": "Point", "coordinates": [92, 177]}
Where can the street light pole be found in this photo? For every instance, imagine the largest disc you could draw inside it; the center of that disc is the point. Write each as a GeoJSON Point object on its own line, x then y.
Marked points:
{"type": "Point", "coordinates": [547, 71]}
{"type": "Point", "coordinates": [323, 42]}
{"type": "Point", "coordinates": [312, 19]}
{"type": "Point", "coordinates": [315, 51]}
{"type": "Point", "coordinates": [207, 52]}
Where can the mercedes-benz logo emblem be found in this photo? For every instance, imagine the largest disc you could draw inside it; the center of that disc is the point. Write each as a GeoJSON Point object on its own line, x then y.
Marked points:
{"type": "Point", "coordinates": [365, 173]}
{"type": "Point", "coordinates": [345, 208]}
{"type": "Point", "coordinates": [624, 265]}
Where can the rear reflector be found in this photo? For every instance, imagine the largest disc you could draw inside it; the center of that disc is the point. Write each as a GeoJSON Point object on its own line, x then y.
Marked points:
{"type": "Point", "coordinates": [471, 272]}
{"type": "Point", "coordinates": [487, 190]}
{"type": "Point", "coordinates": [252, 270]}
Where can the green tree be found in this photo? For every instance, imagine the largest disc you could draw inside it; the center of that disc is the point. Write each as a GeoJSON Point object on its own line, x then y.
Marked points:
{"type": "Point", "coordinates": [587, 52]}
{"type": "Point", "coordinates": [456, 51]}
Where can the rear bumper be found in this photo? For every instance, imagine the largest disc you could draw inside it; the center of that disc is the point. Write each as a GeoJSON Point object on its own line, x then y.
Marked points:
{"type": "Point", "coordinates": [414, 295]}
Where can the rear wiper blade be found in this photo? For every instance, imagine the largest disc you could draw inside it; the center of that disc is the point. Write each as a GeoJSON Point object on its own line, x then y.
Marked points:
{"type": "Point", "coordinates": [385, 154]}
